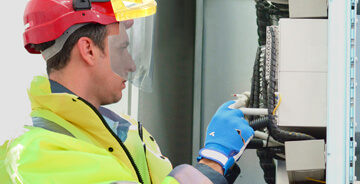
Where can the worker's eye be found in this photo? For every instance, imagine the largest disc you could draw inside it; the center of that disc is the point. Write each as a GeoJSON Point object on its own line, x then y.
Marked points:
{"type": "Point", "coordinates": [124, 45]}
{"type": "Point", "coordinates": [122, 49]}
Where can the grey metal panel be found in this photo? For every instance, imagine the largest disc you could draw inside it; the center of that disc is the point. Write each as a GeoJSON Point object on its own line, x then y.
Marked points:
{"type": "Point", "coordinates": [338, 168]}
{"type": "Point", "coordinates": [198, 67]}
{"type": "Point", "coordinates": [307, 8]}
{"type": "Point", "coordinates": [357, 114]}
{"type": "Point", "coordinates": [310, 91]}
{"type": "Point", "coordinates": [305, 155]}
{"type": "Point", "coordinates": [358, 73]}
{"type": "Point", "coordinates": [303, 72]}
{"type": "Point", "coordinates": [229, 48]}
{"type": "Point", "coordinates": [167, 111]}
{"type": "Point", "coordinates": [303, 45]}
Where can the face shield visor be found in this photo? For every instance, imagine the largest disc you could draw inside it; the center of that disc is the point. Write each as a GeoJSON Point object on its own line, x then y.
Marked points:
{"type": "Point", "coordinates": [131, 50]}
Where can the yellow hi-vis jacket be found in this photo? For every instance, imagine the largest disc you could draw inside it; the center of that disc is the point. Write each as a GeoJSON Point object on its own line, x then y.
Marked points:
{"type": "Point", "coordinates": [89, 151]}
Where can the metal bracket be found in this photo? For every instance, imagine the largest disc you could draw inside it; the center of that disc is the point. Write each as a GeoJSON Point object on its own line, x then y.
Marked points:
{"type": "Point", "coordinates": [352, 143]}
{"type": "Point", "coordinates": [85, 4]}
{"type": "Point", "coordinates": [81, 5]}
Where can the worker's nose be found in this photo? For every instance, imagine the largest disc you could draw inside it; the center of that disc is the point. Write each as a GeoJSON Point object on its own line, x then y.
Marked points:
{"type": "Point", "coordinates": [131, 66]}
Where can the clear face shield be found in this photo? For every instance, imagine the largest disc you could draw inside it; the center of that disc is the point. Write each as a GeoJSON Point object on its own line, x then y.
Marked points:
{"type": "Point", "coordinates": [131, 51]}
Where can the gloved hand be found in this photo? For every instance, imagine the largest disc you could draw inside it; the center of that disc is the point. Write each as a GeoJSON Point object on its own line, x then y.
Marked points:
{"type": "Point", "coordinates": [226, 137]}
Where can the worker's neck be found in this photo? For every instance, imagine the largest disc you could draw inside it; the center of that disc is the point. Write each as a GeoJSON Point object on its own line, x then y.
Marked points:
{"type": "Point", "coordinates": [78, 82]}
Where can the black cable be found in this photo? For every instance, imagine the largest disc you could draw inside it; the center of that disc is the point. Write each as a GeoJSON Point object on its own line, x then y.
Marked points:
{"type": "Point", "coordinates": [262, 20]}
{"type": "Point", "coordinates": [255, 84]}
{"type": "Point", "coordinates": [255, 144]}
{"type": "Point", "coordinates": [279, 10]}
{"type": "Point", "coordinates": [267, 164]}
{"type": "Point", "coordinates": [273, 151]}
{"type": "Point", "coordinates": [276, 150]}
{"type": "Point", "coordinates": [275, 132]}
{"type": "Point", "coordinates": [264, 84]}
{"type": "Point", "coordinates": [264, 11]}
{"type": "Point", "coordinates": [259, 123]}
{"type": "Point", "coordinates": [267, 141]}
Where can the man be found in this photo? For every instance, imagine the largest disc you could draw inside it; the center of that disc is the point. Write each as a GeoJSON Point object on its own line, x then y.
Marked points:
{"type": "Point", "coordinates": [75, 140]}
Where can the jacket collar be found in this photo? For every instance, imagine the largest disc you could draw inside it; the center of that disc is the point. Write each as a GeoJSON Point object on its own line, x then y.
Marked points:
{"type": "Point", "coordinates": [68, 109]}
{"type": "Point", "coordinates": [58, 88]}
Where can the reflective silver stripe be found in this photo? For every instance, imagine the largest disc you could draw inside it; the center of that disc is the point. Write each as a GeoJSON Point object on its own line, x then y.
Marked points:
{"type": "Point", "coordinates": [124, 182]}
{"type": "Point", "coordinates": [49, 125]}
{"type": "Point", "coordinates": [188, 174]}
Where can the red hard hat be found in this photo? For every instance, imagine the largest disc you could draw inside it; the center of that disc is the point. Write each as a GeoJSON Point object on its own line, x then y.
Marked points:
{"type": "Point", "coordinates": [47, 20]}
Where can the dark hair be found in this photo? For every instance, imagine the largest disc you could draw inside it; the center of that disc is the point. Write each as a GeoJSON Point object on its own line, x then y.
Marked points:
{"type": "Point", "coordinates": [96, 32]}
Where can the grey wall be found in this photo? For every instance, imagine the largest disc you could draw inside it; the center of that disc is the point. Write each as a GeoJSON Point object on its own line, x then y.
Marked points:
{"type": "Point", "coordinates": [167, 111]}
{"type": "Point", "coordinates": [229, 49]}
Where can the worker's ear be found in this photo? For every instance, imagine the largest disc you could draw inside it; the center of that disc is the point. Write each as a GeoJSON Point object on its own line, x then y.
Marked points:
{"type": "Point", "coordinates": [87, 50]}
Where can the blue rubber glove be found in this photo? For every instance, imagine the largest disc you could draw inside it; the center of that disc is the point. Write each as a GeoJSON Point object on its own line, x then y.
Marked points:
{"type": "Point", "coordinates": [226, 137]}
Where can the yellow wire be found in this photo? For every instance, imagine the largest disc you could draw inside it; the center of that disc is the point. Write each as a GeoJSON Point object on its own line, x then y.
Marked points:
{"type": "Point", "coordinates": [312, 179]}
{"type": "Point", "coordinates": [277, 105]}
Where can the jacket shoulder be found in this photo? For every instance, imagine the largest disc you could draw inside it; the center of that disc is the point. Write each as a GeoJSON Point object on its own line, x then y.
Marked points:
{"type": "Point", "coordinates": [82, 161]}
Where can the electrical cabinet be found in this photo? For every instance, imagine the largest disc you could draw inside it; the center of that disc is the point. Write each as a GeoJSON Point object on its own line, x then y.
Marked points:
{"type": "Point", "coordinates": [314, 79]}
{"type": "Point", "coordinates": [302, 77]}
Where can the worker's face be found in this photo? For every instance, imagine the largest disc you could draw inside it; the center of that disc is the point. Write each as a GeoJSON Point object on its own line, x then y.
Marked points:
{"type": "Point", "coordinates": [111, 84]}
{"type": "Point", "coordinates": [140, 33]}
{"type": "Point", "coordinates": [121, 61]}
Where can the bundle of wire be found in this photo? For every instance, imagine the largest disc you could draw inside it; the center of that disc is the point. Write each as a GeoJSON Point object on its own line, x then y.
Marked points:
{"type": "Point", "coordinates": [269, 138]}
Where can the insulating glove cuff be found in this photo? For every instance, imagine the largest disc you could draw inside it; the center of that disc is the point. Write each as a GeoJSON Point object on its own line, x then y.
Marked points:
{"type": "Point", "coordinates": [216, 156]}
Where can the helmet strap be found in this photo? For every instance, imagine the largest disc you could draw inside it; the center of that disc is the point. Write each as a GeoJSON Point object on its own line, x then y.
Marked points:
{"type": "Point", "coordinates": [59, 42]}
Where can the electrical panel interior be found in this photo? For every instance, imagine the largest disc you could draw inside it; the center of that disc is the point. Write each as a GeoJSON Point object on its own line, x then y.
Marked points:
{"type": "Point", "coordinates": [289, 82]}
